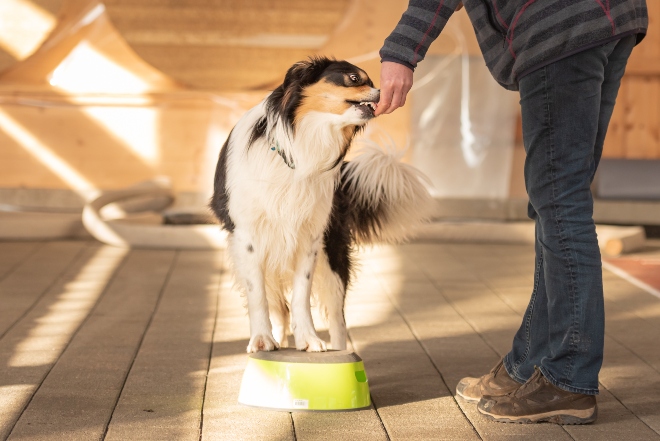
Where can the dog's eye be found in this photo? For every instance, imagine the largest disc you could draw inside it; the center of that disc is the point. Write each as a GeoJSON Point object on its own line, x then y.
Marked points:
{"type": "Point", "coordinates": [354, 78]}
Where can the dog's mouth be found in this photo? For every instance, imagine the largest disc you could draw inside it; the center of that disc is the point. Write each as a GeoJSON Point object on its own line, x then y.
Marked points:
{"type": "Point", "coordinates": [368, 107]}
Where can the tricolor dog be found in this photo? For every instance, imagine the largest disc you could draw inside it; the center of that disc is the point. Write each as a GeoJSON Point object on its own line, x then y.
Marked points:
{"type": "Point", "coordinates": [293, 207]}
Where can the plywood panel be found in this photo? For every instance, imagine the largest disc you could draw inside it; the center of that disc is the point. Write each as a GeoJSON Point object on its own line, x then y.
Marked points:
{"type": "Point", "coordinates": [615, 140]}
{"type": "Point", "coordinates": [642, 138]}
{"type": "Point", "coordinates": [24, 24]}
{"type": "Point", "coordinates": [225, 44]}
{"type": "Point", "coordinates": [645, 59]}
{"type": "Point", "coordinates": [634, 129]}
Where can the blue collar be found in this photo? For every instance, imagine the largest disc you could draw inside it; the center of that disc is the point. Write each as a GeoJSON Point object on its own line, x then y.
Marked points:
{"type": "Point", "coordinates": [283, 155]}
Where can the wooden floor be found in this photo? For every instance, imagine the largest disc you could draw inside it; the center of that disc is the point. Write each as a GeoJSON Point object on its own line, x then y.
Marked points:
{"type": "Point", "coordinates": [103, 343]}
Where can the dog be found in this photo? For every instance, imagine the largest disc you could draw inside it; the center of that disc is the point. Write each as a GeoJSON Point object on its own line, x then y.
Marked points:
{"type": "Point", "coordinates": [294, 209]}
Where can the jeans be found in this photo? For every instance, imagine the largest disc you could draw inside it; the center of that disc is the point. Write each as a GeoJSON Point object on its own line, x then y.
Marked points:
{"type": "Point", "coordinates": [566, 108]}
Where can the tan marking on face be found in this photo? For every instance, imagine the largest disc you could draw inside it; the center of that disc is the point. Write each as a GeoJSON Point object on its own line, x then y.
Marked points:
{"type": "Point", "coordinates": [327, 97]}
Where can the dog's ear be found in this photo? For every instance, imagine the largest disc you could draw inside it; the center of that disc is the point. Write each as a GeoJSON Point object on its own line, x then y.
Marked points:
{"type": "Point", "coordinates": [306, 72]}
{"type": "Point", "coordinates": [285, 98]}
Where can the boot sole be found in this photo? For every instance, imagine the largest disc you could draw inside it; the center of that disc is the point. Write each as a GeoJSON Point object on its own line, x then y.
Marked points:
{"type": "Point", "coordinates": [466, 398]}
{"type": "Point", "coordinates": [563, 417]}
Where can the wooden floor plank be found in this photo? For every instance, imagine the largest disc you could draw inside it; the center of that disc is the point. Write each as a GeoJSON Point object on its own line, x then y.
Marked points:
{"type": "Point", "coordinates": [13, 254]}
{"type": "Point", "coordinates": [475, 310]}
{"type": "Point", "coordinates": [633, 319]}
{"type": "Point", "coordinates": [411, 398]}
{"type": "Point", "coordinates": [615, 423]}
{"type": "Point", "coordinates": [77, 398]}
{"type": "Point", "coordinates": [443, 321]}
{"type": "Point", "coordinates": [84, 310]}
{"type": "Point", "coordinates": [32, 278]}
{"type": "Point", "coordinates": [163, 394]}
{"type": "Point", "coordinates": [224, 418]}
{"type": "Point", "coordinates": [634, 383]}
{"type": "Point", "coordinates": [31, 348]}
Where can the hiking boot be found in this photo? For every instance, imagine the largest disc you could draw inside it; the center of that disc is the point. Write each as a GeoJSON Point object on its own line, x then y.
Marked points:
{"type": "Point", "coordinates": [539, 400]}
{"type": "Point", "coordinates": [496, 382]}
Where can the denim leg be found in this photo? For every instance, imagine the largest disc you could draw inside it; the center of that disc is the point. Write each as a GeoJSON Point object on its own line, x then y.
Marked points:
{"type": "Point", "coordinates": [529, 345]}
{"type": "Point", "coordinates": [614, 70]}
{"type": "Point", "coordinates": [566, 107]}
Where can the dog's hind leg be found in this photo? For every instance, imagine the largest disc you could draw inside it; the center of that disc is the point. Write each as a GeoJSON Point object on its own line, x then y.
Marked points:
{"type": "Point", "coordinates": [301, 313]}
{"type": "Point", "coordinates": [248, 270]}
{"type": "Point", "coordinates": [331, 293]}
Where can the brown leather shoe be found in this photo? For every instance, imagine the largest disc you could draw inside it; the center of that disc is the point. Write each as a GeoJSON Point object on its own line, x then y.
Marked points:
{"type": "Point", "coordinates": [539, 400]}
{"type": "Point", "coordinates": [496, 382]}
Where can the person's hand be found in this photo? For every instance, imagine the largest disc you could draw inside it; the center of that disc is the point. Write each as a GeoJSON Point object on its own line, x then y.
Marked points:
{"type": "Point", "coordinates": [395, 82]}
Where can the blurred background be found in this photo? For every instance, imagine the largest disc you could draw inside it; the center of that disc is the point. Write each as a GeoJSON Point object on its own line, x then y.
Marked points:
{"type": "Point", "coordinates": [97, 96]}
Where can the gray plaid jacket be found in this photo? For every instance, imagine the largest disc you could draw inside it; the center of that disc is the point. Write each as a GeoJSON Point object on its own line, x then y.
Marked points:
{"type": "Point", "coordinates": [518, 36]}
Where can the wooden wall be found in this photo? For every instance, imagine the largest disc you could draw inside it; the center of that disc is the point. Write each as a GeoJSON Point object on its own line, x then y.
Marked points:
{"type": "Point", "coordinates": [634, 131]}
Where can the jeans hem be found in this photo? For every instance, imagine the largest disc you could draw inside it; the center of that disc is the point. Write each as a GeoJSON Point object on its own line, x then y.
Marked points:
{"type": "Point", "coordinates": [512, 373]}
{"type": "Point", "coordinates": [566, 387]}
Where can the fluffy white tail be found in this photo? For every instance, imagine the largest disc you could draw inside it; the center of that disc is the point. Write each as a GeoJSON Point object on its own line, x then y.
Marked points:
{"type": "Point", "coordinates": [386, 198]}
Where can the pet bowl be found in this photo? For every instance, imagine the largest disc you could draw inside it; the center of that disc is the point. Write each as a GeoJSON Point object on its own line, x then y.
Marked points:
{"type": "Point", "coordinates": [288, 379]}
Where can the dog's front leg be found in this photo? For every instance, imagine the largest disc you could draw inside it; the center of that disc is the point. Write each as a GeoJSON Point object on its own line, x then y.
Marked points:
{"type": "Point", "coordinates": [248, 269]}
{"type": "Point", "coordinates": [301, 311]}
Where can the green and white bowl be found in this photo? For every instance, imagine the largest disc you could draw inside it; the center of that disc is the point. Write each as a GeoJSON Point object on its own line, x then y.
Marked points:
{"type": "Point", "coordinates": [288, 379]}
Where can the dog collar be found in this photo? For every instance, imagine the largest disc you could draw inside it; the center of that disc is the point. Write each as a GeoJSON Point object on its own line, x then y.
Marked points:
{"type": "Point", "coordinates": [286, 160]}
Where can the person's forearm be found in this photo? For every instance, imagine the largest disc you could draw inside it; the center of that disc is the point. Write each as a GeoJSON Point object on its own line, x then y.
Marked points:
{"type": "Point", "coordinates": [419, 26]}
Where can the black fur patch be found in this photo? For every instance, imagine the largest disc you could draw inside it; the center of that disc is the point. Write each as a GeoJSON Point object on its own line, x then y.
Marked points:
{"type": "Point", "coordinates": [339, 71]}
{"type": "Point", "coordinates": [338, 239]}
{"type": "Point", "coordinates": [220, 199]}
{"type": "Point", "coordinates": [285, 99]}
{"type": "Point", "coordinates": [258, 131]}
{"type": "Point", "coordinates": [364, 221]}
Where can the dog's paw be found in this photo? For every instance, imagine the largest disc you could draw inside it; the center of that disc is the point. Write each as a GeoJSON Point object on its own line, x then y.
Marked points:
{"type": "Point", "coordinates": [310, 343]}
{"type": "Point", "coordinates": [262, 342]}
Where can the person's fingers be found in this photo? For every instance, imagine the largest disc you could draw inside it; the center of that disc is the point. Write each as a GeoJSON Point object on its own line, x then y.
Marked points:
{"type": "Point", "coordinates": [402, 98]}
{"type": "Point", "coordinates": [396, 81]}
{"type": "Point", "coordinates": [385, 100]}
{"type": "Point", "coordinates": [396, 101]}
{"type": "Point", "coordinates": [399, 98]}
{"type": "Point", "coordinates": [395, 98]}
{"type": "Point", "coordinates": [404, 93]}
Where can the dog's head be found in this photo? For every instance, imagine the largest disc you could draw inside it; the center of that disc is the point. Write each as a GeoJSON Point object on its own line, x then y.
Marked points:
{"type": "Point", "coordinates": [338, 89]}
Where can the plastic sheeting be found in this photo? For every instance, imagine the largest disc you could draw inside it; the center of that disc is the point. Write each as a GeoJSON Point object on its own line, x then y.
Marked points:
{"type": "Point", "coordinates": [462, 126]}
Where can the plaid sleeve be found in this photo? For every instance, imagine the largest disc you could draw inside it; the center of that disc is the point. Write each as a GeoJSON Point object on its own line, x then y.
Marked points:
{"type": "Point", "coordinates": [420, 24]}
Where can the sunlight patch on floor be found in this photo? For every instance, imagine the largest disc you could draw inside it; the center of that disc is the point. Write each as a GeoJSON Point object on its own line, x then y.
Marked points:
{"type": "Point", "coordinates": [52, 331]}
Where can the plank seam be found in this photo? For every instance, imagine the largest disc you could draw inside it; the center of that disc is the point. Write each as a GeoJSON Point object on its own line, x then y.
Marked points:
{"type": "Point", "coordinates": [626, 407]}
{"type": "Point", "coordinates": [73, 335]}
{"type": "Point", "coordinates": [435, 366]}
{"type": "Point", "coordinates": [22, 261]}
{"type": "Point", "coordinates": [166, 280]}
{"type": "Point", "coordinates": [380, 420]}
{"type": "Point", "coordinates": [56, 279]}
{"type": "Point", "coordinates": [293, 427]}
{"type": "Point", "coordinates": [497, 294]}
{"type": "Point", "coordinates": [208, 367]}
